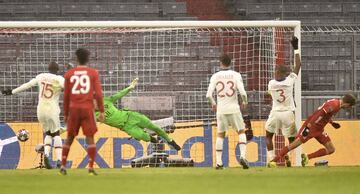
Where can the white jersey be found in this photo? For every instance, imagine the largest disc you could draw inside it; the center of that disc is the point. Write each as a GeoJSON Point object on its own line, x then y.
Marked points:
{"type": "Point", "coordinates": [50, 86]}
{"type": "Point", "coordinates": [282, 93]}
{"type": "Point", "coordinates": [228, 84]}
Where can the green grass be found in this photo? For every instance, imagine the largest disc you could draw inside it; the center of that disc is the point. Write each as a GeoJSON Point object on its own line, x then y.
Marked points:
{"type": "Point", "coordinates": [184, 180]}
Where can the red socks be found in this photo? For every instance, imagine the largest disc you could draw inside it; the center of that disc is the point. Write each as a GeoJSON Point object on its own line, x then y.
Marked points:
{"type": "Point", "coordinates": [319, 153]}
{"type": "Point", "coordinates": [65, 153]}
{"type": "Point", "coordinates": [282, 153]}
{"type": "Point", "coordinates": [91, 150]}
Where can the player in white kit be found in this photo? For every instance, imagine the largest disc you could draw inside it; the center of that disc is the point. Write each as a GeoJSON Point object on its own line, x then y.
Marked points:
{"type": "Point", "coordinates": [228, 84]}
{"type": "Point", "coordinates": [282, 113]}
{"type": "Point", "coordinates": [50, 87]}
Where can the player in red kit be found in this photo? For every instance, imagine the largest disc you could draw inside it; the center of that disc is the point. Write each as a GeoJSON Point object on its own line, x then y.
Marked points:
{"type": "Point", "coordinates": [81, 87]}
{"type": "Point", "coordinates": [313, 127]}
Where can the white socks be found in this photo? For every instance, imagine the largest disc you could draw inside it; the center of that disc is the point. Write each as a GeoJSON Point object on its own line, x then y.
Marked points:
{"type": "Point", "coordinates": [58, 147]}
{"type": "Point", "coordinates": [242, 145]}
{"type": "Point", "coordinates": [219, 149]}
{"type": "Point", "coordinates": [271, 154]}
{"type": "Point", "coordinates": [47, 145]}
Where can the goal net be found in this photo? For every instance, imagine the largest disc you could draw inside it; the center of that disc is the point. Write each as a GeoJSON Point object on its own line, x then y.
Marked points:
{"type": "Point", "coordinates": [173, 61]}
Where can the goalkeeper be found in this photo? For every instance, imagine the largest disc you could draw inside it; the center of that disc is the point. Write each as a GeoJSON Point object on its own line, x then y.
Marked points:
{"type": "Point", "coordinates": [132, 123]}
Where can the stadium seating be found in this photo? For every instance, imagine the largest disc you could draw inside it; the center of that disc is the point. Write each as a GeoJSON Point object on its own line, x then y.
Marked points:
{"type": "Point", "coordinates": [93, 10]}
{"type": "Point", "coordinates": [327, 58]}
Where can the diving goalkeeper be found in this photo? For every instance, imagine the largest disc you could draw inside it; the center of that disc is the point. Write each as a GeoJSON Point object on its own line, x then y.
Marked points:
{"type": "Point", "coordinates": [132, 123]}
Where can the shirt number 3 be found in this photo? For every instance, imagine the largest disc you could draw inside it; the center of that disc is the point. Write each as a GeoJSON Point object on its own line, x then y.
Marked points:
{"type": "Point", "coordinates": [282, 96]}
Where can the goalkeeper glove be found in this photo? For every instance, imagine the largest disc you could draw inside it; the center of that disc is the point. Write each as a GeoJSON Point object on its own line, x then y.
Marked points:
{"type": "Point", "coordinates": [248, 132]}
{"type": "Point", "coordinates": [7, 92]}
{"type": "Point", "coordinates": [133, 83]}
{"type": "Point", "coordinates": [295, 43]}
{"type": "Point", "coordinates": [336, 125]}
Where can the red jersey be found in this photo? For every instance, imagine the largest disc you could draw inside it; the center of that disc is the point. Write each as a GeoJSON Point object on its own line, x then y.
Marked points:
{"type": "Point", "coordinates": [324, 114]}
{"type": "Point", "coordinates": [81, 86]}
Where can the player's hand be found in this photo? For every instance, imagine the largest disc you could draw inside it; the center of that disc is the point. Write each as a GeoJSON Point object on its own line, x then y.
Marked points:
{"type": "Point", "coordinates": [213, 107]}
{"type": "Point", "coordinates": [133, 83]}
{"type": "Point", "coordinates": [243, 107]}
{"type": "Point", "coordinates": [336, 125]}
{"type": "Point", "coordinates": [7, 92]}
{"type": "Point", "coordinates": [101, 117]}
{"type": "Point", "coordinates": [295, 43]}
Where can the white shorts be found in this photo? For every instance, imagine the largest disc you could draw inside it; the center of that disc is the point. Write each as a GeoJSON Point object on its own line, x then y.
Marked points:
{"type": "Point", "coordinates": [281, 120]}
{"type": "Point", "coordinates": [225, 120]}
{"type": "Point", "coordinates": [48, 117]}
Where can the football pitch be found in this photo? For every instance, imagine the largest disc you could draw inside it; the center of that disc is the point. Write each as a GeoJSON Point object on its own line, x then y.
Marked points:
{"type": "Point", "coordinates": [184, 180]}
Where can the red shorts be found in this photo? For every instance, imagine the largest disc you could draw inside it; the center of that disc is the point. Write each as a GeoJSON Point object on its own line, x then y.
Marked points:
{"type": "Point", "coordinates": [306, 133]}
{"type": "Point", "coordinates": [83, 117]}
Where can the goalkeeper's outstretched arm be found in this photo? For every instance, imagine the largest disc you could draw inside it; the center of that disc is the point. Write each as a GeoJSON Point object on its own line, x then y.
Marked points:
{"type": "Point", "coordinates": [123, 92]}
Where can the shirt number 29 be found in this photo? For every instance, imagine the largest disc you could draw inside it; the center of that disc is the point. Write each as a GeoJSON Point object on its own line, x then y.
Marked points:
{"type": "Point", "coordinates": [81, 84]}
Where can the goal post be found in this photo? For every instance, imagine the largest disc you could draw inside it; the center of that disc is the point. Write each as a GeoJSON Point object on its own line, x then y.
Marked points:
{"type": "Point", "coordinates": [173, 61]}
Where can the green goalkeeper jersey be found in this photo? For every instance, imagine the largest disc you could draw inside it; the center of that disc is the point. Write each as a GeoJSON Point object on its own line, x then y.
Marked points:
{"type": "Point", "coordinates": [113, 116]}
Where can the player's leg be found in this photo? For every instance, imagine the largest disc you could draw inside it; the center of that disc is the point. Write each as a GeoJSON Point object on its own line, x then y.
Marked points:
{"type": "Point", "coordinates": [138, 133]}
{"type": "Point", "coordinates": [65, 151]}
{"type": "Point", "coordinates": [55, 134]}
{"type": "Point", "coordinates": [238, 124]}
{"type": "Point", "coordinates": [47, 148]}
{"type": "Point", "coordinates": [57, 147]}
{"type": "Point", "coordinates": [57, 138]}
{"type": "Point", "coordinates": [270, 145]}
{"type": "Point", "coordinates": [329, 149]}
{"type": "Point", "coordinates": [325, 140]}
{"type": "Point", "coordinates": [296, 143]}
{"type": "Point", "coordinates": [88, 124]}
{"type": "Point", "coordinates": [305, 134]}
{"type": "Point", "coordinates": [91, 150]}
{"type": "Point", "coordinates": [270, 128]}
{"type": "Point", "coordinates": [144, 122]}
{"type": "Point", "coordinates": [161, 132]}
{"type": "Point", "coordinates": [222, 126]}
{"type": "Point", "coordinates": [288, 130]}
{"type": "Point", "coordinates": [46, 125]}
{"type": "Point", "coordinates": [73, 125]}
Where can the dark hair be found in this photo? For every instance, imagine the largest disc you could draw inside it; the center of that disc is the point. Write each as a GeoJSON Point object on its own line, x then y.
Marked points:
{"type": "Point", "coordinates": [225, 60]}
{"type": "Point", "coordinates": [350, 99]}
{"type": "Point", "coordinates": [53, 67]}
{"type": "Point", "coordinates": [82, 56]}
{"type": "Point", "coordinates": [282, 69]}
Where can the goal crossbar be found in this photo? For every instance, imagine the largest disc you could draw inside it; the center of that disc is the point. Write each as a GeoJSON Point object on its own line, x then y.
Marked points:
{"type": "Point", "coordinates": [147, 24]}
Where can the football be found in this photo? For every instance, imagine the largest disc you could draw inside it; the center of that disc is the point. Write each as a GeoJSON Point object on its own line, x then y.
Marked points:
{"type": "Point", "coordinates": [23, 135]}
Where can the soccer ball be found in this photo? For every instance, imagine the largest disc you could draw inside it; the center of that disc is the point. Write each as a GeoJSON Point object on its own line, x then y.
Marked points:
{"type": "Point", "coordinates": [23, 135]}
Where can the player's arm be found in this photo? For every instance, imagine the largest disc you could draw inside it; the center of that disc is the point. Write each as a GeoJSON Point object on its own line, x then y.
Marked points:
{"type": "Point", "coordinates": [66, 98]}
{"type": "Point", "coordinates": [124, 92]}
{"type": "Point", "coordinates": [209, 93]}
{"type": "Point", "coordinates": [267, 94]}
{"type": "Point", "coordinates": [324, 110]}
{"type": "Point", "coordinates": [334, 124]}
{"type": "Point", "coordinates": [242, 92]}
{"type": "Point", "coordinates": [21, 88]}
{"type": "Point", "coordinates": [61, 82]}
{"type": "Point", "coordinates": [295, 45]}
{"type": "Point", "coordinates": [99, 97]}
